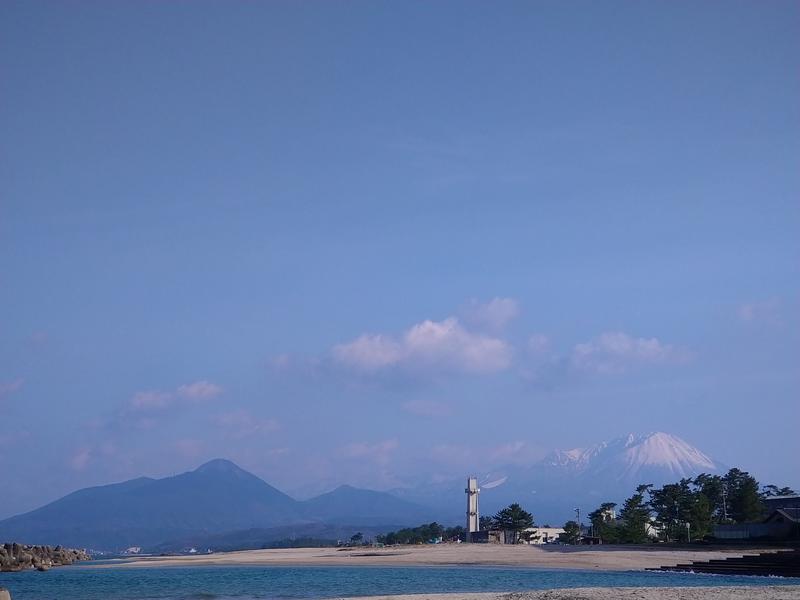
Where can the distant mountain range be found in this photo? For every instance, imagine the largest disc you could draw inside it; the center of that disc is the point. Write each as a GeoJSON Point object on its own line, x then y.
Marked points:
{"type": "Point", "coordinates": [217, 498]}
{"type": "Point", "coordinates": [220, 505]}
{"type": "Point", "coordinates": [581, 477]}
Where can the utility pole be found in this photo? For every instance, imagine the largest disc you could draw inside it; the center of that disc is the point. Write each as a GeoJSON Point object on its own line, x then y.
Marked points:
{"type": "Point", "coordinates": [580, 526]}
{"type": "Point", "coordinates": [725, 502]}
{"type": "Point", "coordinates": [676, 520]}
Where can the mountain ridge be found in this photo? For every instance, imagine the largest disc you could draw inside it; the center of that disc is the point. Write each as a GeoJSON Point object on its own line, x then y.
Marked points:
{"type": "Point", "coordinates": [219, 497]}
{"type": "Point", "coordinates": [213, 500]}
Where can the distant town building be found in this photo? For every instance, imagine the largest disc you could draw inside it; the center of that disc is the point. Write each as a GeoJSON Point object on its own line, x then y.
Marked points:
{"type": "Point", "coordinates": [492, 536]}
{"type": "Point", "coordinates": [790, 504]}
{"type": "Point", "coordinates": [541, 535]}
{"type": "Point", "coordinates": [781, 524]}
{"type": "Point", "coordinates": [608, 514]}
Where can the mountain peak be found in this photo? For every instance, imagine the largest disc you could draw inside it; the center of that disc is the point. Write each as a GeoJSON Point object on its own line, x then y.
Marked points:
{"type": "Point", "coordinates": [668, 450]}
{"type": "Point", "coordinates": [634, 455]}
{"type": "Point", "coordinates": [220, 465]}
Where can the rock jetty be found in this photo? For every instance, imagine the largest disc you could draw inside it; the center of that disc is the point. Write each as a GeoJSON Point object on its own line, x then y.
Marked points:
{"type": "Point", "coordinates": [18, 557]}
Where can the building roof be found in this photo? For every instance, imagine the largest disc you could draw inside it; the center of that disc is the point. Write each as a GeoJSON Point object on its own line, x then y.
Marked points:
{"type": "Point", "coordinates": [786, 514]}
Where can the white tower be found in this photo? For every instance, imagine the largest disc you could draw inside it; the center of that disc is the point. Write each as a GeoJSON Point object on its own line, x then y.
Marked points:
{"type": "Point", "coordinates": [473, 518]}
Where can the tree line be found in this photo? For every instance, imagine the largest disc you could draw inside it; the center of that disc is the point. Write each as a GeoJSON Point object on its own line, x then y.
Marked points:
{"type": "Point", "coordinates": [512, 518]}
{"type": "Point", "coordinates": [685, 510]}
{"type": "Point", "coordinates": [682, 511]}
{"type": "Point", "coordinates": [423, 534]}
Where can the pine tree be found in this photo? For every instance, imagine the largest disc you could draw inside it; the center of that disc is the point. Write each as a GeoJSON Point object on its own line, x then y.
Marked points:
{"type": "Point", "coordinates": [635, 517]}
{"type": "Point", "coordinates": [701, 517]}
{"type": "Point", "coordinates": [774, 490]}
{"type": "Point", "coordinates": [513, 518]}
{"type": "Point", "coordinates": [572, 533]}
{"type": "Point", "coordinates": [604, 525]}
{"type": "Point", "coordinates": [743, 496]}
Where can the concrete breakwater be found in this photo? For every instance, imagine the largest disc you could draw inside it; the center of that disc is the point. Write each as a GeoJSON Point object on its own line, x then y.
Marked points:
{"type": "Point", "coordinates": [18, 557]}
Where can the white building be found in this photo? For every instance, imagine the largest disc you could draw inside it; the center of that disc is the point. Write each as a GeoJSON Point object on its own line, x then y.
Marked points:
{"type": "Point", "coordinates": [541, 535]}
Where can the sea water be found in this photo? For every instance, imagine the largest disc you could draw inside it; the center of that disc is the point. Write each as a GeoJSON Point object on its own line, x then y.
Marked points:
{"type": "Point", "coordinates": [85, 582]}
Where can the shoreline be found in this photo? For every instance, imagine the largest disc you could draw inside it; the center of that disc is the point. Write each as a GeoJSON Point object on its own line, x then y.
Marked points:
{"type": "Point", "coordinates": [592, 558]}
{"type": "Point", "coordinates": [617, 593]}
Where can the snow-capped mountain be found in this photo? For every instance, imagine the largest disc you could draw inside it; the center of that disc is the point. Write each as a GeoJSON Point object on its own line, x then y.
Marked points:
{"type": "Point", "coordinates": [585, 477]}
{"type": "Point", "coordinates": [633, 457]}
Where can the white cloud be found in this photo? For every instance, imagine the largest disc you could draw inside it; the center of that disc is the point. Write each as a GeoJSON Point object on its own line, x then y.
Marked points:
{"type": "Point", "coordinates": [370, 352]}
{"type": "Point", "coordinates": [435, 345]}
{"type": "Point", "coordinates": [199, 390]}
{"type": "Point", "coordinates": [615, 352]}
{"type": "Point", "coordinates": [493, 315]}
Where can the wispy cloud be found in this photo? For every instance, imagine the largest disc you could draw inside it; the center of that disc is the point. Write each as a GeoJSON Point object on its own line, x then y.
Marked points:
{"type": "Point", "coordinates": [539, 344]}
{"type": "Point", "coordinates": [241, 423]}
{"type": "Point", "coordinates": [762, 311]}
{"type": "Point", "coordinates": [199, 390]}
{"type": "Point", "coordinates": [189, 448]}
{"type": "Point", "coordinates": [378, 452]}
{"type": "Point", "coordinates": [517, 452]}
{"type": "Point", "coordinates": [151, 400]}
{"type": "Point", "coordinates": [80, 459]}
{"type": "Point", "coordinates": [463, 456]}
{"type": "Point", "coordinates": [427, 346]}
{"type": "Point", "coordinates": [492, 316]}
{"type": "Point", "coordinates": [155, 400]}
{"type": "Point", "coordinates": [616, 352]}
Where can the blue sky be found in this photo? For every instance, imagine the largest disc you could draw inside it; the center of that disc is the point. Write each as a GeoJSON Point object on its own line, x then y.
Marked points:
{"type": "Point", "coordinates": [337, 242]}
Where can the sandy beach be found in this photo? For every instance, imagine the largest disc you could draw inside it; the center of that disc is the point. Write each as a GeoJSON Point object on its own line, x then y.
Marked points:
{"type": "Point", "coordinates": [683, 593]}
{"type": "Point", "coordinates": [609, 558]}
